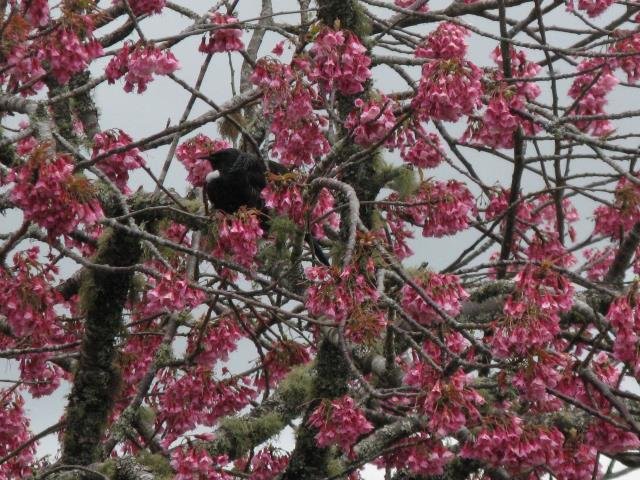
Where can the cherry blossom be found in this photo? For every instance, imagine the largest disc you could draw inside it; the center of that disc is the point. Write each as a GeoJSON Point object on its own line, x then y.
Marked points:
{"type": "Point", "coordinates": [590, 90]}
{"type": "Point", "coordinates": [340, 61]}
{"type": "Point", "coordinates": [339, 422]}
{"type": "Point", "coordinates": [14, 432]}
{"type": "Point", "coordinates": [117, 166]}
{"type": "Point", "coordinates": [238, 236]}
{"type": "Point", "coordinates": [222, 39]}
{"type": "Point", "coordinates": [443, 289]}
{"type": "Point", "coordinates": [141, 7]}
{"type": "Point", "coordinates": [51, 195]}
{"type": "Point", "coordinates": [371, 122]}
{"type": "Point", "coordinates": [138, 64]}
{"type": "Point", "coordinates": [196, 464]}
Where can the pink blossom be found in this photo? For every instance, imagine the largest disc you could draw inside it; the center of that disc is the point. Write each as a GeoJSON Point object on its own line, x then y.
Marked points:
{"type": "Point", "coordinates": [422, 149]}
{"type": "Point", "coordinates": [593, 8]}
{"type": "Point", "coordinates": [196, 464]}
{"type": "Point", "coordinates": [238, 236]}
{"type": "Point", "coordinates": [170, 293]}
{"type": "Point", "coordinates": [198, 393]}
{"type": "Point", "coordinates": [339, 422]}
{"type": "Point", "coordinates": [371, 122]}
{"type": "Point", "coordinates": [298, 131]}
{"type": "Point", "coordinates": [36, 12]}
{"type": "Point", "coordinates": [339, 61]}
{"type": "Point", "coordinates": [591, 88]}
{"type": "Point", "coordinates": [23, 67]}
{"type": "Point", "coordinates": [192, 155]}
{"type": "Point", "coordinates": [141, 7]}
{"type": "Point", "coordinates": [279, 361]}
{"type": "Point", "coordinates": [451, 403]}
{"type": "Point", "coordinates": [630, 64]}
{"type": "Point", "coordinates": [138, 64]}
{"type": "Point", "coordinates": [14, 432]}
{"type": "Point", "coordinates": [116, 166]}
{"type": "Point", "coordinates": [67, 55]}
{"type": "Point", "coordinates": [222, 39]}
{"type": "Point", "coordinates": [267, 465]}
{"type": "Point", "coordinates": [51, 195]}
{"type": "Point", "coordinates": [448, 90]}
{"type": "Point", "coordinates": [510, 443]}
{"type": "Point", "coordinates": [337, 294]}
{"type": "Point", "coordinates": [214, 342]}
{"type": "Point", "coordinates": [424, 457]}
{"type": "Point", "coordinates": [442, 288]}
{"type": "Point", "coordinates": [446, 42]}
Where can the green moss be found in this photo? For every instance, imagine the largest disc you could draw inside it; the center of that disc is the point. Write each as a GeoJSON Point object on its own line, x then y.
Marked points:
{"type": "Point", "coordinates": [158, 464]}
{"type": "Point", "coordinates": [490, 290]}
{"type": "Point", "coordinates": [243, 433]}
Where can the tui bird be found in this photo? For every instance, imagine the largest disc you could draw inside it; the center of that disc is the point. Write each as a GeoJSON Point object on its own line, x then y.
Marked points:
{"type": "Point", "coordinates": [237, 180]}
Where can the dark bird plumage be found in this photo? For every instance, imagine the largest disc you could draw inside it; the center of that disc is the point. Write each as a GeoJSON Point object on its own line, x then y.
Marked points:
{"type": "Point", "coordinates": [237, 181]}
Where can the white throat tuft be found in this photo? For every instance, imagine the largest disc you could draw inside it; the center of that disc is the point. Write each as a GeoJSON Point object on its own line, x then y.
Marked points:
{"type": "Point", "coordinates": [211, 176]}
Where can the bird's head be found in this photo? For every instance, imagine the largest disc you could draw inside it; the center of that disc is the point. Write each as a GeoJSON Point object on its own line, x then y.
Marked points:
{"type": "Point", "coordinates": [220, 161]}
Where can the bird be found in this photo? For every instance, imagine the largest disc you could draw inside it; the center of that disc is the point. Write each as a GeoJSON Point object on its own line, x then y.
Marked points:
{"type": "Point", "coordinates": [237, 180]}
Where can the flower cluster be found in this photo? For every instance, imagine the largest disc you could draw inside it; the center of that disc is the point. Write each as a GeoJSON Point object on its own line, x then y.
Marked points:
{"type": "Point", "coordinates": [442, 288]}
{"type": "Point", "coordinates": [339, 61]}
{"type": "Point", "coordinates": [424, 457]}
{"type": "Point", "coordinates": [283, 194]}
{"type": "Point", "coordinates": [590, 88]}
{"type": "Point", "coordinates": [198, 393]}
{"type": "Point", "coordinates": [421, 149]}
{"type": "Point", "coordinates": [451, 403]}
{"type": "Point", "coordinates": [274, 79]}
{"type": "Point", "coordinates": [41, 376]}
{"type": "Point", "coordinates": [500, 120]}
{"type": "Point", "coordinates": [279, 361]}
{"type": "Point", "coordinates": [624, 317]}
{"type": "Point", "coordinates": [615, 220]}
{"type": "Point", "coordinates": [67, 55]}
{"type": "Point", "coordinates": [445, 42]}
{"type": "Point", "coordinates": [170, 293]}
{"type": "Point", "coordinates": [532, 313]}
{"type": "Point", "coordinates": [138, 64]}
{"type": "Point", "coordinates": [630, 64]}
{"type": "Point", "coordinates": [214, 342]}
{"type": "Point", "coordinates": [192, 155]}
{"type": "Point", "coordinates": [222, 39]}
{"type": "Point", "coordinates": [14, 433]}
{"type": "Point", "coordinates": [371, 122]}
{"type": "Point", "coordinates": [422, 5]}
{"type": "Point", "coordinates": [510, 443]}
{"type": "Point", "coordinates": [196, 464]}
{"type": "Point", "coordinates": [336, 294]}
{"type": "Point", "coordinates": [142, 7]}
{"type": "Point", "coordinates": [117, 165]}
{"type": "Point", "coordinates": [298, 130]}
{"type": "Point", "coordinates": [441, 208]}
{"type": "Point", "coordinates": [593, 8]}
{"type": "Point", "coordinates": [24, 68]}
{"type": "Point", "coordinates": [238, 236]}
{"type": "Point", "coordinates": [266, 465]}
{"type": "Point", "coordinates": [50, 195]}
{"type": "Point", "coordinates": [26, 298]}
{"type": "Point", "coordinates": [339, 422]}
{"type": "Point", "coordinates": [36, 12]}
{"type": "Point", "coordinates": [450, 86]}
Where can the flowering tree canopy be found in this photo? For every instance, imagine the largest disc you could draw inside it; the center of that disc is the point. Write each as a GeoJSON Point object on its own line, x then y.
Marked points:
{"type": "Point", "coordinates": [468, 166]}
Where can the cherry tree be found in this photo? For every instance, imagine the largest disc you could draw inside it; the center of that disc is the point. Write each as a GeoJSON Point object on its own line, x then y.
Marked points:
{"type": "Point", "coordinates": [469, 167]}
